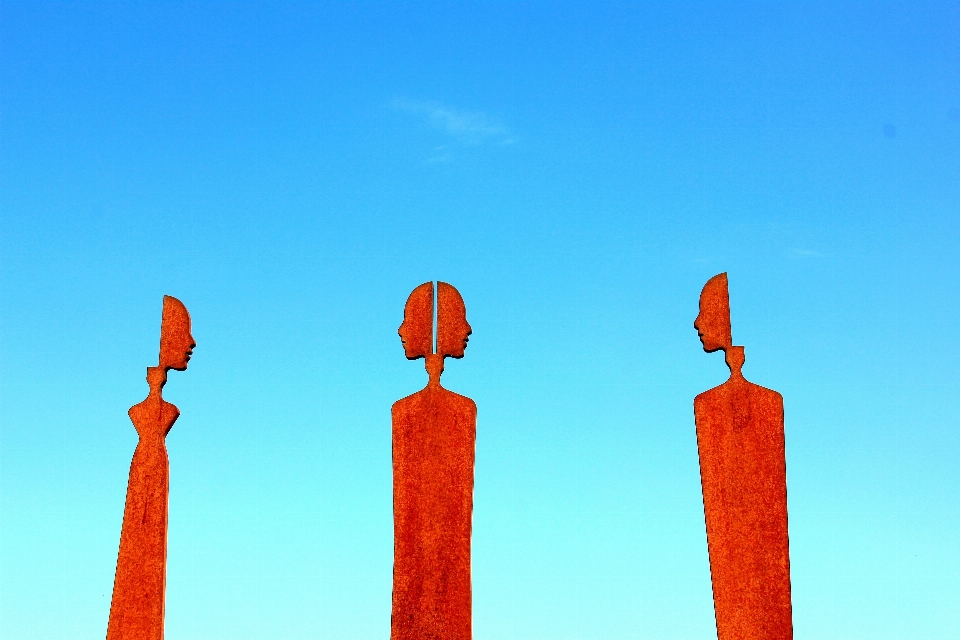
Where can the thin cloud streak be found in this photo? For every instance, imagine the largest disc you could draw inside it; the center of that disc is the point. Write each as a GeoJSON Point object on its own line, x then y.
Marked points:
{"type": "Point", "coordinates": [467, 127]}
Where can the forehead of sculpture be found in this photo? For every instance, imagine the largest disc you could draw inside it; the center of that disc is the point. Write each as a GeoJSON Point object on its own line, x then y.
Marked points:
{"type": "Point", "coordinates": [175, 325]}
{"type": "Point", "coordinates": [451, 308]}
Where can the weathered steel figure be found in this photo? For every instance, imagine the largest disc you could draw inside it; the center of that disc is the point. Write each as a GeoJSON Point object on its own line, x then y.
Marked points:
{"type": "Point", "coordinates": [136, 612]}
{"type": "Point", "coordinates": [744, 478]}
{"type": "Point", "coordinates": [434, 436]}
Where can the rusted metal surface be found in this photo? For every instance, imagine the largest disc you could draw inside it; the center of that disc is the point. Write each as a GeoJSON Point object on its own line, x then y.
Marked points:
{"type": "Point", "coordinates": [434, 437]}
{"type": "Point", "coordinates": [136, 612]}
{"type": "Point", "coordinates": [743, 473]}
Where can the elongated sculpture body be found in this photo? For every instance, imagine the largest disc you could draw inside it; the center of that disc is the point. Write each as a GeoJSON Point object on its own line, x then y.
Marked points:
{"type": "Point", "coordinates": [434, 438]}
{"type": "Point", "coordinates": [136, 611]}
{"type": "Point", "coordinates": [744, 478]}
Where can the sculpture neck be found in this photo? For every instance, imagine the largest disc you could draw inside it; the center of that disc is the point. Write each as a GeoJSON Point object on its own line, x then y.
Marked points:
{"type": "Point", "coordinates": [434, 365]}
{"type": "Point", "coordinates": [735, 358]}
{"type": "Point", "coordinates": [156, 378]}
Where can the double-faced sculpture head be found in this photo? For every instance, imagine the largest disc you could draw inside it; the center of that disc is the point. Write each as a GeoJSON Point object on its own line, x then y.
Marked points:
{"type": "Point", "coordinates": [453, 330]}
{"type": "Point", "coordinates": [176, 341]}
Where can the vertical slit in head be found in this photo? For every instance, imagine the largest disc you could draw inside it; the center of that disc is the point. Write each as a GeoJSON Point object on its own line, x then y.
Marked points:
{"type": "Point", "coordinates": [436, 317]}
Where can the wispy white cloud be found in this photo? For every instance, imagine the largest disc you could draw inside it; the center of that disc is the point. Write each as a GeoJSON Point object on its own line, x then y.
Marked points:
{"type": "Point", "coordinates": [466, 127]}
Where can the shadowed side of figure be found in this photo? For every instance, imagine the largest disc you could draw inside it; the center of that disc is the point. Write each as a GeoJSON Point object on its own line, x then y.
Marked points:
{"type": "Point", "coordinates": [744, 478]}
{"type": "Point", "coordinates": [434, 439]}
{"type": "Point", "coordinates": [136, 611]}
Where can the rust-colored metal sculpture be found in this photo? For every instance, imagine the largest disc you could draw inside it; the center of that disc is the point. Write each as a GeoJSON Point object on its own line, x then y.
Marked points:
{"type": "Point", "coordinates": [434, 436]}
{"type": "Point", "coordinates": [136, 612]}
{"type": "Point", "coordinates": [743, 473]}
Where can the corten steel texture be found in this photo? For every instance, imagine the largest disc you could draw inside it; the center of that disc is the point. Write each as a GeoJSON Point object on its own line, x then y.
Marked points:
{"type": "Point", "coordinates": [136, 612]}
{"type": "Point", "coordinates": [743, 473]}
{"type": "Point", "coordinates": [434, 438]}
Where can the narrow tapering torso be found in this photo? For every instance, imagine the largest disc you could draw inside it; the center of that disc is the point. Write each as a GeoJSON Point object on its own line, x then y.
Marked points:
{"type": "Point", "coordinates": [136, 612]}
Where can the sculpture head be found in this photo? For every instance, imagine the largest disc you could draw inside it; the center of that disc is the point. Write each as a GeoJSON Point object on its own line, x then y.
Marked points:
{"type": "Point", "coordinates": [713, 322]}
{"type": "Point", "coordinates": [416, 330]}
{"type": "Point", "coordinates": [453, 330]}
{"type": "Point", "coordinates": [176, 342]}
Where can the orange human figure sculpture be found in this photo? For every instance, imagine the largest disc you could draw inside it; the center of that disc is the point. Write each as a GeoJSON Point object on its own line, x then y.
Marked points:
{"type": "Point", "coordinates": [743, 473]}
{"type": "Point", "coordinates": [136, 612]}
{"type": "Point", "coordinates": [434, 436]}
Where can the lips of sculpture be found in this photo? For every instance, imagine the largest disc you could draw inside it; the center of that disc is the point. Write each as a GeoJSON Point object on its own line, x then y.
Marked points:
{"type": "Point", "coordinates": [710, 344]}
{"type": "Point", "coordinates": [456, 343]}
{"type": "Point", "coordinates": [412, 347]}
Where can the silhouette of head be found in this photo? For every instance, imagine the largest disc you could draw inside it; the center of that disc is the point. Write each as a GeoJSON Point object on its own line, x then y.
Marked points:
{"type": "Point", "coordinates": [453, 331]}
{"type": "Point", "coordinates": [416, 330]}
{"type": "Point", "coordinates": [713, 322]}
{"type": "Point", "coordinates": [176, 343]}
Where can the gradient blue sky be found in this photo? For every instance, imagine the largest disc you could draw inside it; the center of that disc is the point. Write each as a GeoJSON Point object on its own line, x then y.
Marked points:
{"type": "Point", "coordinates": [578, 171]}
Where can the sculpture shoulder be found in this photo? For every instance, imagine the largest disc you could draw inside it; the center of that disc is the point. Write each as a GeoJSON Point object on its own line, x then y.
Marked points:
{"type": "Point", "coordinates": [153, 417]}
{"type": "Point", "coordinates": [766, 396]}
{"type": "Point", "coordinates": [710, 396]}
{"type": "Point", "coordinates": [147, 408]}
{"type": "Point", "coordinates": [770, 393]}
{"type": "Point", "coordinates": [404, 405]}
{"type": "Point", "coordinates": [413, 402]}
{"type": "Point", "coordinates": [464, 402]}
{"type": "Point", "coordinates": [721, 392]}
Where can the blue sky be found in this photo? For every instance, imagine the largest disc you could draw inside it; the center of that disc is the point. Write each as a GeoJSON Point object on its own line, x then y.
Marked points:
{"type": "Point", "coordinates": [292, 171]}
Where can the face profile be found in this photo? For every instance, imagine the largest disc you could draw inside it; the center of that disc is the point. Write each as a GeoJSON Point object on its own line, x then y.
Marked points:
{"type": "Point", "coordinates": [713, 322]}
{"type": "Point", "coordinates": [176, 342]}
{"type": "Point", "coordinates": [453, 330]}
{"type": "Point", "coordinates": [416, 330]}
